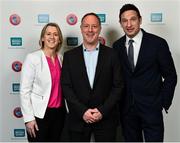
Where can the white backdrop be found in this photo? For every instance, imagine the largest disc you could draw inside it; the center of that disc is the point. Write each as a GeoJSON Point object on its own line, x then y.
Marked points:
{"type": "Point", "coordinates": [0, 74]}
{"type": "Point", "coordinates": [11, 127]}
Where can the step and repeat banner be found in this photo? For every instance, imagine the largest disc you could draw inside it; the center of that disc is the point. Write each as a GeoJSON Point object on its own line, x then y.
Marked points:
{"type": "Point", "coordinates": [21, 22]}
{"type": "Point", "coordinates": [0, 73]}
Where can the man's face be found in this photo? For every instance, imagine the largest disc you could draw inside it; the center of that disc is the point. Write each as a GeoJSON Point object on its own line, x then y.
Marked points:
{"type": "Point", "coordinates": [130, 23]}
{"type": "Point", "coordinates": [90, 29]}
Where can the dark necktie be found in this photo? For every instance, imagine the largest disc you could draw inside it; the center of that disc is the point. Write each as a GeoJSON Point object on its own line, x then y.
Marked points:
{"type": "Point", "coordinates": [131, 53]}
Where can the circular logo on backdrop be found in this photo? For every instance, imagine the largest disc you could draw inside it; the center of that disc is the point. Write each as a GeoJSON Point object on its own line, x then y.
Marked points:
{"type": "Point", "coordinates": [17, 112]}
{"type": "Point", "coordinates": [71, 19]}
{"type": "Point", "coordinates": [15, 19]}
{"type": "Point", "coordinates": [102, 40]}
{"type": "Point", "coordinates": [16, 66]}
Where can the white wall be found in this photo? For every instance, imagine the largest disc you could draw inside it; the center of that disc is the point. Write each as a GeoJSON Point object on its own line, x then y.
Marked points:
{"type": "Point", "coordinates": [29, 29]}
{"type": "Point", "coordinates": [0, 73]}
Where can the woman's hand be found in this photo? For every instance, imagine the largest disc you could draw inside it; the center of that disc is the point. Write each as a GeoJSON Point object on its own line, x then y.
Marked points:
{"type": "Point", "coordinates": [31, 128]}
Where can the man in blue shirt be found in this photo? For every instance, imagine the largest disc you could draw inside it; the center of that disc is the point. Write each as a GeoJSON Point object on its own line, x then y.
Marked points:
{"type": "Point", "coordinates": [92, 84]}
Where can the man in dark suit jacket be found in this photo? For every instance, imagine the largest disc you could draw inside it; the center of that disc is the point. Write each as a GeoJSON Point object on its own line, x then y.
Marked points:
{"type": "Point", "coordinates": [149, 81]}
{"type": "Point", "coordinates": [92, 84]}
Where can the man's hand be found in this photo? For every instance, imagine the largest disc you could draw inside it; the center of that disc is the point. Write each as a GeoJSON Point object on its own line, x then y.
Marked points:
{"type": "Point", "coordinates": [92, 115]}
{"type": "Point", "coordinates": [97, 115]}
{"type": "Point", "coordinates": [88, 116]}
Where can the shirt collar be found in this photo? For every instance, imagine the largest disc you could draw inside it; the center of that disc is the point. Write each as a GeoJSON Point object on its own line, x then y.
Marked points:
{"type": "Point", "coordinates": [138, 37]}
{"type": "Point", "coordinates": [95, 49]}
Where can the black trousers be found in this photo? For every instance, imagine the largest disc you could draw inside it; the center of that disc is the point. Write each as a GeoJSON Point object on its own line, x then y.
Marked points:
{"type": "Point", "coordinates": [50, 127]}
{"type": "Point", "coordinates": [139, 125]}
{"type": "Point", "coordinates": [99, 134]}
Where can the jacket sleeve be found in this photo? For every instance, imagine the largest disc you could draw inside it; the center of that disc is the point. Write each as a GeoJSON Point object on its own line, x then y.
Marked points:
{"type": "Point", "coordinates": [67, 88]}
{"type": "Point", "coordinates": [26, 83]}
{"type": "Point", "coordinates": [168, 73]}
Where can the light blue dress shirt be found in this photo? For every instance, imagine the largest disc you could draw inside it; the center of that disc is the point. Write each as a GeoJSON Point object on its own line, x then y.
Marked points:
{"type": "Point", "coordinates": [91, 58]}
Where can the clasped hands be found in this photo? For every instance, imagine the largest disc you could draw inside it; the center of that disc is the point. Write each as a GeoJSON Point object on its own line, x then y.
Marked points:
{"type": "Point", "coordinates": [92, 116]}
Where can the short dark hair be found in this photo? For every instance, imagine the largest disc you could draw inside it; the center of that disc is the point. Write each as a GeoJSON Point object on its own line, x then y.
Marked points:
{"type": "Point", "coordinates": [127, 7]}
{"type": "Point", "coordinates": [91, 13]}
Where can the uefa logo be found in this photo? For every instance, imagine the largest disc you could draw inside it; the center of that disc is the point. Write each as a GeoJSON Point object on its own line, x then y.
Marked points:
{"type": "Point", "coordinates": [17, 112]}
{"type": "Point", "coordinates": [71, 19]}
{"type": "Point", "coordinates": [102, 18]}
{"type": "Point", "coordinates": [16, 66]}
{"type": "Point", "coordinates": [72, 41]}
{"type": "Point", "coordinates": [16, 41]}
{"type": "Point", "coordinates": [15, 19]}
{"type": "Point", "coordinates": [15, 87]}
{"type": "Point", "coordinates": [43, 18]}
{"type": "Point", "coordinates": [156, 17]}
{"type": "Point", "coordinates": [19, 132]}
{"type": "Point", "coordinates": [102, 40]}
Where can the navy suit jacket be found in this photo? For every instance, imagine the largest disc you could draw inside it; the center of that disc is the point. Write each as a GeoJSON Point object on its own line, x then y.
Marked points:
{"type": "Point", "coordinates": [105, 93]}
{"type": "Point", "coordinates": [153, 81]}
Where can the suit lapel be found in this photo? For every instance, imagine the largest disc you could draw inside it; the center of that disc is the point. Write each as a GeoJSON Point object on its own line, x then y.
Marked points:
{"type": "Point", "coordinates": [45, 71]}
{"type": "Point", "coordinates": [100, 63]}
{"type": "Point", "coordinates": [82, 65]}
{"type": "Point", "coordinates": [60, 58]}
{"type": "Point", "coordinates": [124, 53]}
{"type": "Point", "coordinates": [141, 51]}
{"type": "Point", "coordinates": [140, 56]}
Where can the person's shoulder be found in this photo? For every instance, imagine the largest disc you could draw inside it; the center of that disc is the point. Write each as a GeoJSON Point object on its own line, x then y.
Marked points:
{"type": "Point", "coordinates": [34, 55]}
{"type": "Point", "coordinates": [73, 50]}
{"type": "Point", "coordinates": [108, 49]}
{"type": "Point", "coordinates": [104, 46]}
{"type": "Point", "coordinates": [153, 36]}
{"type": "Point", "coordinates": [119, 41]}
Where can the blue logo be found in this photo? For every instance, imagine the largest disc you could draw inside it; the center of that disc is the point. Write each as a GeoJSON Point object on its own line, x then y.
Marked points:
{"type": "Point", "coordinates": [16, 87]}
{"type": "Point", "coordinates": [43, 18]}
{"type": "Point", "coordinates": [156, 17]}
{"type": "Point", "coordinates": [102, 17]}
{"type": "Point", "coordinates": [72, 41]}
{"type": "Point", "coordinates": [16, 41]}
{"type": "Point", "coordinates": [19, 132]}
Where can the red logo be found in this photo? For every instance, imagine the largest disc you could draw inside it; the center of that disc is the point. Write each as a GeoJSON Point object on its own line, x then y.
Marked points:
{"type": "Point", "coordinates": [102, 40]}
{"type": "Point", "coordinates": [17, 112]}
{"type": "Point", "coordinates": [71, 19]}
{"type": "Point", "coordinates": [16, 66]}
{"type": "Point", "coordinates": [14, 19]}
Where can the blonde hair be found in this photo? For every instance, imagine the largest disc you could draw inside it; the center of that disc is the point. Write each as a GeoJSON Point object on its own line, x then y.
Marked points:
{"type": "Point", "coordinates": [41, 43]}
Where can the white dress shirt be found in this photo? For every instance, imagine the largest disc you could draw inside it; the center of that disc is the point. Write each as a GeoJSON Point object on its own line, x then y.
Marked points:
{"type": "Point", "coordinates": [136, 44]}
